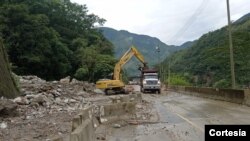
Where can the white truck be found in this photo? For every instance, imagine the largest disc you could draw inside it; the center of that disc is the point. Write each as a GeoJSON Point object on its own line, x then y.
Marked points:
{"type": "Point", "coordinates": [150, 81]}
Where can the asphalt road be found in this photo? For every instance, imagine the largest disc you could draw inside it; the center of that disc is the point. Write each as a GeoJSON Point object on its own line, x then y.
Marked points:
{"type": "Point", "coordinates": [181, 118]}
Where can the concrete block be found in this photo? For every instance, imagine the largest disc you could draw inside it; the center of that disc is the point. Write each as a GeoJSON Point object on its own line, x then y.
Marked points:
{"type": "Point", "coordinates": [247, 97]}
{"type": "Point", "coordinates": [76, 122]}
{"type": "Point", "coordinates": [85, 132]}
{"type": "Point", "coordinates": [230, 95]}
{"type": "Point", "coordinates": [86, 113]}
{"type": "Point", "coordinates": [116, 111]}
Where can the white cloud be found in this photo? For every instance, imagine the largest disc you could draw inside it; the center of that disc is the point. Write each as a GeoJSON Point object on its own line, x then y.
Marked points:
{"type": "Point", "coordinates": [165, 19]}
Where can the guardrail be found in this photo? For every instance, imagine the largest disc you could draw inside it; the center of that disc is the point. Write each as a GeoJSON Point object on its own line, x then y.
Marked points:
{"type": "Point", "coordinates": [230, 95]}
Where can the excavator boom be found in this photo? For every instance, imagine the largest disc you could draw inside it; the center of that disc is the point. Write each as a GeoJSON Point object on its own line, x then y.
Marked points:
{"type": "Point", "coordinates": [125, 58]}
{"type": "Point", "coordinates": [116, 85]}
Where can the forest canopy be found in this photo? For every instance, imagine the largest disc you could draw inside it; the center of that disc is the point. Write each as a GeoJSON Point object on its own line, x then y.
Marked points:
{"type": "Point", "coordinates": [53, 39]}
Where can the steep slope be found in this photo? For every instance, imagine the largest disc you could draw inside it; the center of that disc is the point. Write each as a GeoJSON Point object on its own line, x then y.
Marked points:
{"type": "Point", "coordinates": [207, 62]}
{"type": "Point", "coordinates": [8, 86]}
{"type": "Point", "coordinates": [122, 40]}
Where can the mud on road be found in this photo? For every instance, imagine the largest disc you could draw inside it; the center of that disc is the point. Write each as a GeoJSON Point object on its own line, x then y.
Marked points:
{"type": "Point", "coordinates": [177, 117]}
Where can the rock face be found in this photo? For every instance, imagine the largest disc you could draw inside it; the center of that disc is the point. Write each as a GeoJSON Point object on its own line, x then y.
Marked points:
{"type": "Point", "coordinates": [7, 83]}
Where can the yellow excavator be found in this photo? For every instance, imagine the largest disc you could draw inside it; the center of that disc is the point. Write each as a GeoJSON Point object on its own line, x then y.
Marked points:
{"type": "Point", "coordinates": [116, 85]}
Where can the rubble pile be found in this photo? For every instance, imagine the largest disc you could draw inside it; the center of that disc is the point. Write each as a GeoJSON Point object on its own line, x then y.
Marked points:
{"type": "Point", "coordinates": [44, 108]}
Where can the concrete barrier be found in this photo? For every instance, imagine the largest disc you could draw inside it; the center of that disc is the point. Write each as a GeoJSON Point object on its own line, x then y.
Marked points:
{"type": "Point", "coordinates": [230, 95]}
{"type": "Point", "coordinates": [247, 97]}
{"type": "Point", "coordinates": [85, 132]}
{"type": "Point", "coordinates": [117, 111]}
{"type": "Point", "coordinates": [84, 124]}
{"type": "Point", "coordinates": [82, 129]}
{"type": "Point", "coordinates": [126, 98]}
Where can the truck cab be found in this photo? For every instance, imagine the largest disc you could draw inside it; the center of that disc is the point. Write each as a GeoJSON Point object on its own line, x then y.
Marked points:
{"type": "Point", "coordinates": [150, 81]}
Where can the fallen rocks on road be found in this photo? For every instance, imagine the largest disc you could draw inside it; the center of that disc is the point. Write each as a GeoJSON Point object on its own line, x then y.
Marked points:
{"type": "Point", "coordinates": [7, 108]}
{"type": "Point", "coordinates": [46, 109]}
{"type": "Point", "coordinates": [50, 103]}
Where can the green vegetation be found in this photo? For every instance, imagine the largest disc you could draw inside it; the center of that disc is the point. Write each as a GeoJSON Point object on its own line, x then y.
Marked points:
{"type": "Point", "coordinates": [53, 39]}
{"type": "Point", "coordinates": [207, 62]}
{"type": "Point", "coordinates": [176, 79]}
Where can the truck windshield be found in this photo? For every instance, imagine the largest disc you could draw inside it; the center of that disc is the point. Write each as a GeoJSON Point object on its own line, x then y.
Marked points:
{"type": "Point", "coordinates": [151, 76]}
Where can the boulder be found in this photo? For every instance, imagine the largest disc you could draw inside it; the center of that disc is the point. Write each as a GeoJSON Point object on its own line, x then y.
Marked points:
{"type": "Point", "coordinates": [65, 80]}
{"type": "Point", "coordinates": [98, 91]}
{"type": "Point", "coordinates": [7, 108]}
{"type": "Point", "coordinates": [39, 99]}
{"type": "Point", "coordinates": [21, 101]}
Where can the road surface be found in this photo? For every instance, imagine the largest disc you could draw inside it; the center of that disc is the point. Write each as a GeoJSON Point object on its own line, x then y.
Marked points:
{"type": "Point", "coordinates": [181, 118]}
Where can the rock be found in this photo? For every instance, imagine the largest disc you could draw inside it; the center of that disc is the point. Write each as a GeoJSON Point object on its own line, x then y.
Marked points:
{"type": "Point", "coordinates": [82, 93]}
{"type": "Point", "coordinates": [30, 96]}
{"type": "Point", "coordinates": [18, 100]}
{"type": "Point", "coordinates": [65, 80]}
{"type": "Point", "coordinates": [7, 108]}
{"type": "Point", "coordinates": [21, 100]}
{"type": "Point", "coordinates": [116, 125]}
{"type": "Point", "coordinates": [59, 90]}
{"type": "Point", "coordinates": [39, 99]}
{"type": "Point", "coordinates": [3, 125]}
{"type": "Point", "coordinates": [101, 137]}
{"type": "Point", "coordinates": [28, 117]}
{"type": "Point", "coordinates": [50, 96]}
{"type": "Point", "coordinates": [58, 101]}
{"type": "Point", "coordinates": [73, 81]}
{"type": "Point", "coordinates": [55, 93]}
{"type": "Point", "coordinates": [72, 101]}
{"type": "Point", "coordinates": [139, 106]}
{"type": "Point", "coordinates": [98, 91]}
{"type": "Point", "coordinates": [66, 101]}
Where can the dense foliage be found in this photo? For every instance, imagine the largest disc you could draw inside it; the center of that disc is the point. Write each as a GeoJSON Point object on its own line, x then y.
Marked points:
{"type": "Point", "coordinates": [207, 62]}
{"type": "Point", "coordinates": [54, 38]}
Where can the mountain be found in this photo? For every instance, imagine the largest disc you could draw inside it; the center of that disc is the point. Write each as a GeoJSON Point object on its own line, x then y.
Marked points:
{"type": "Point", "coordinates": [146, 45]}
{"type": "Point", "coordinates": [207, 61]}
{"type": "Point", "coordinates": [185, 45]}
{"type": "Point", "coordinates": [242, 19]}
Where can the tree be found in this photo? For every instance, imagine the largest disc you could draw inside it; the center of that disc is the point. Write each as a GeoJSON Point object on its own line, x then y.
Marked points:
{"type": "Point", "coordinates": [94, 64]}
{"type": "Point", "coordinates": [43, 37]}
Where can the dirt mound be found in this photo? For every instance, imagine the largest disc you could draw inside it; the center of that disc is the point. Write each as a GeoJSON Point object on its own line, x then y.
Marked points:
{"type": "Point", "coordinates": [44, 109]}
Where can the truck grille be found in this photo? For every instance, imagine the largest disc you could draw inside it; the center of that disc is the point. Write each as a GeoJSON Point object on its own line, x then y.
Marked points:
{"type": "Point", "coordinates": [152, 82]}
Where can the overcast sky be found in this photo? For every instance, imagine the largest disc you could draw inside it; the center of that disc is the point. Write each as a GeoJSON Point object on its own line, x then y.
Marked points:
{"type": "Point", "coordinates": [172, 21]}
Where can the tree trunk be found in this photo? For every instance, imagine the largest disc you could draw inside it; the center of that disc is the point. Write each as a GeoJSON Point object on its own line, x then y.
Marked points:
{"type": "Point", "coordinates": [8, 86]}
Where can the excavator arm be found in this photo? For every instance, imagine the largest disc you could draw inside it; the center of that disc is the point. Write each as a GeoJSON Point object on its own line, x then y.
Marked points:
{"type": "Point", "coordinates": [125, 58]}
{"type": "Point", "coordinates": [116, 85]}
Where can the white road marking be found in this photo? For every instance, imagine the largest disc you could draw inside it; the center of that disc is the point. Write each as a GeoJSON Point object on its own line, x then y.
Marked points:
{"type": "Point", "coordinates": [190, 122]}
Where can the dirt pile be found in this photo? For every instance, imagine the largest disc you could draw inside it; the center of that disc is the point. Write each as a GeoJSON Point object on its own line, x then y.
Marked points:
{"type": "Point", "coordinates": [44, 109]}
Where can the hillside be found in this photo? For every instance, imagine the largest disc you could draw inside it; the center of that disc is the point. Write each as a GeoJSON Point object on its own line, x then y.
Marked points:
{"type": "Point", "coordinates": [52, 40]}
{"type": "Point", "coordinates": [146, 45]}
{"type": "Point", "coordinates": [207, 62]}
{"type": "Point", "coordinates": [8, 86]}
